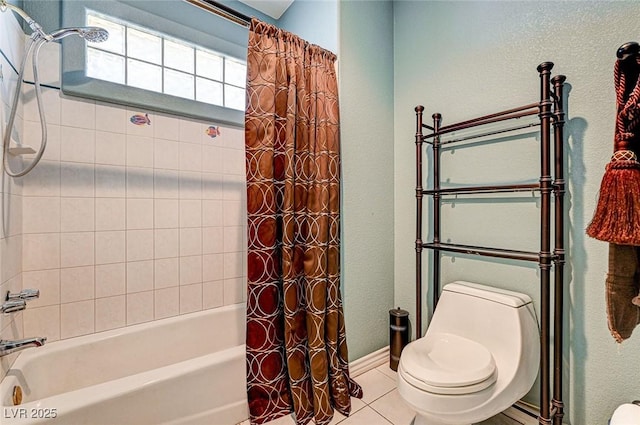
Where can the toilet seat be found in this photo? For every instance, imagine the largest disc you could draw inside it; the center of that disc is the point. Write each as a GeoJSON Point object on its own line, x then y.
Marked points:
{"type": "Point", "coordinates": [444, 363]}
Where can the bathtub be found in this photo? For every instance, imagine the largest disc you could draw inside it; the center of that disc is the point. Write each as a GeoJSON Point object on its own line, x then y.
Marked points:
{"type": "Point", "coordinates": [183, 370]}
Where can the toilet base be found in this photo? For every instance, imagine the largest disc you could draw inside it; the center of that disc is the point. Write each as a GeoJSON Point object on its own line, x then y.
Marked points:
{"type": "Point", "coordinates": [421, 420]}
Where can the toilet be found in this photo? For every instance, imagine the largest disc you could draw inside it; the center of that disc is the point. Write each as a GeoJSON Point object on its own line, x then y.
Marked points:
{"type": "Point", "coordinates": [626, 414]}
{"type": "Point", "coordinates": [479, 356]}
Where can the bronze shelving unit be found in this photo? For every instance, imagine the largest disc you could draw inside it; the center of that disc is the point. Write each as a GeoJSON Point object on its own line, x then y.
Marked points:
{"type": "Point", "coordinates": [550, 114]}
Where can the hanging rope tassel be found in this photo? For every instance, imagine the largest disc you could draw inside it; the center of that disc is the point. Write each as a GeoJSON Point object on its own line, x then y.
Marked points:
{"type": "Point", "coordinates": [617, 215]}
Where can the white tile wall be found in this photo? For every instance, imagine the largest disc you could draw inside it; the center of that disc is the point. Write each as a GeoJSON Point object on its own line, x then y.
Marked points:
{"type": "Point", "coordinates": [110, 280]}
{"type": "Point", "coordinates": [124, 224]}
{"type": "Point", "coordinates": [11, 223]}
{"type": "Point", "coordinates": [119, 224]}
{"type": "Point", "coordinates": [110, 313]}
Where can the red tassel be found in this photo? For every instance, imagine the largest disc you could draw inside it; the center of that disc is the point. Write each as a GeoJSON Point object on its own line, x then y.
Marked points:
{"type": "Point", "coordinates": [617, 216]}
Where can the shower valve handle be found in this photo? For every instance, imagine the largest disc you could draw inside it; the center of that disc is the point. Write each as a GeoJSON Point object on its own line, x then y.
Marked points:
{"type": "Point", "coordinates": [25, 294]}
{"type": "Point", "coordinates": [12, 306]}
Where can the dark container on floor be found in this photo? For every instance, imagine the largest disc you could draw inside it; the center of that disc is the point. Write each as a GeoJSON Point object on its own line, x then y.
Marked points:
{"type": "Point", "coordinates": [398, 335]}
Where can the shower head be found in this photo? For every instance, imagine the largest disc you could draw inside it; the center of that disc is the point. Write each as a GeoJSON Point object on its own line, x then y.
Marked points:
{"type": "Point", "coordinates": [93, 34]}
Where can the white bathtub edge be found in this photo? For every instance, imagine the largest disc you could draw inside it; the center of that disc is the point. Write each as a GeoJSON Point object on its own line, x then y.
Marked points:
{"type": "Point", "coordinates": [107, 390]}
{"type": "Point", "coordinates": [66, 344]}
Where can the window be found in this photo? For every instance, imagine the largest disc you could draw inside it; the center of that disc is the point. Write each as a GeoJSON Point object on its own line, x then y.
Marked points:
{"type": "Point", "coordinates": [146, 59]}
{"type": "Point", "coordinates": [162, 55]}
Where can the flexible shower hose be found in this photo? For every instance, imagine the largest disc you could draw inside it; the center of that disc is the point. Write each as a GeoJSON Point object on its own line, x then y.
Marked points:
{"type": "Point", "coordinates": [35, 43]}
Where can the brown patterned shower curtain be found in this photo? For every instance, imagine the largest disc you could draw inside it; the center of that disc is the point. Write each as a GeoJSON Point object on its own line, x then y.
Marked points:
{"type": "Point", "coordinates": [296, 344]}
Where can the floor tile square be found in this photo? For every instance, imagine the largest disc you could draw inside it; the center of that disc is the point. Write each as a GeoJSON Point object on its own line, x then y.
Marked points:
{"type": "Point", "coordinates": [394, 408]}
{"type": "Point", "coordinates": [337, 418]}
{"type": "Point", "coordinates": [356, 404]}
{"type": "Point", "coordinates": [365, 416]}
{"type": "Point", "coordinates": [384, 368]}
{"type": "Point", "coordinates": [374, 384]}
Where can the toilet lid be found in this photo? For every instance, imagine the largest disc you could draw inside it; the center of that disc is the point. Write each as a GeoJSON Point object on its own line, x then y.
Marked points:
{"type": "Point", "coordinates": [449, 362]}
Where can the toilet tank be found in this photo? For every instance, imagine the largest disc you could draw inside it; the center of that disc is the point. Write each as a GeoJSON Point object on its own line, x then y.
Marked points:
{"type": "Point", "coordinates": [503, 321]}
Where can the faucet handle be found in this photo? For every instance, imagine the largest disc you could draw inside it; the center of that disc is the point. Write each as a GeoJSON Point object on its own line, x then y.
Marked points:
{"type": "Point", "coordinates": [11, 306]}
{"type": "Point", "coordinates": [25, 294]}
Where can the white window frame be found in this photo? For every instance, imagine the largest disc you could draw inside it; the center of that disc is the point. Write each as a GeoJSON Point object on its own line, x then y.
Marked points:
{"type": "Point", "coordinates": [196, 74]}
{"type": "Point", "coordinates": [176, 20]}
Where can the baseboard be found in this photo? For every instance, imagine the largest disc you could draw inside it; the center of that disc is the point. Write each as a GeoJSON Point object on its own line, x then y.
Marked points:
{"type": "Point", "coordinates": [520, 415]}
{"type": "Point", "coordinates": [524, 413]}
{"type": "Point", "coordinates": [368, 362]}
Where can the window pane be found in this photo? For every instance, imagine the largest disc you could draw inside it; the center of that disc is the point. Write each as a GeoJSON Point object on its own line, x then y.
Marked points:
{"type": "Point", "coordinates": [145, 46]}
{"type": "Point", "coordinates": [152, 62]}
{"type": "Point", "coordinates": [178, 83]}
{"type": "Point", "coordinates": [234, 97]}
{"type": "Point", "coordinates": [235, 73]}
{"type": "Point", "coordinates": [209, 65]}
{"type": "Point", "coordinates": [105, 66]}
{"type": "Point", "coordinates": [178, 56]}
{"type": "Point", "coordinates": [208, 91]}
{"type": "Point", "coordinates": [115, 42]}
{"type": "Point", "coordinates": [144, 75]}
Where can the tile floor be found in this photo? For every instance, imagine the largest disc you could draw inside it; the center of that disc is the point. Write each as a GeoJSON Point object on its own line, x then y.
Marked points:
{"type": "Point", "coordinates": [382, 405]}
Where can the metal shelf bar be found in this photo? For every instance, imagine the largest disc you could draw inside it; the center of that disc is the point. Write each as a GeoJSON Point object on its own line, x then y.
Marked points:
{"type": "Point", "coordinates": [530, 109]}
{"type": "Point", "coordinates": [484, 251]}
{"type": "Point", "coordinates": [528, 187]}
{"type": "Point", "coordinates": [491, 133]}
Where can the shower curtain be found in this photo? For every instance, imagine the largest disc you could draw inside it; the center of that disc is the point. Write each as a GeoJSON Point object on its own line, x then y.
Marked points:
{"type": "Point", "coordinates": [296, 343]}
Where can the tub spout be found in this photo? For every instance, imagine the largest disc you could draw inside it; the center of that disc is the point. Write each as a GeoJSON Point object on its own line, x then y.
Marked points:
{"type": "Point", "coordinates": [8, 347]}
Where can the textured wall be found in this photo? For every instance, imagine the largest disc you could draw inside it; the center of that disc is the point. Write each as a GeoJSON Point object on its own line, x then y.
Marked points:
{"type": "Point", "coordinates": [314, 20]}
{"type": "Point", "coordinates": [366, 108]}
{"type": "Point", "coordinates": [465, 59]}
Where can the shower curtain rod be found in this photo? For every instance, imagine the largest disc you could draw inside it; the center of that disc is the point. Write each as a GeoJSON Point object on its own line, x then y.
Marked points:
{"type": "Point", "coordinates": [223, 11]}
